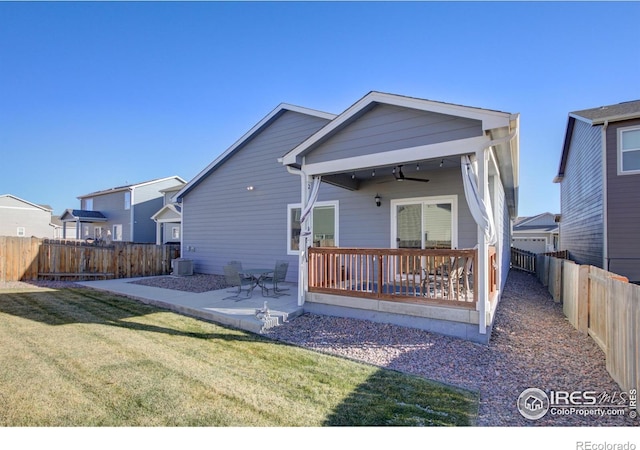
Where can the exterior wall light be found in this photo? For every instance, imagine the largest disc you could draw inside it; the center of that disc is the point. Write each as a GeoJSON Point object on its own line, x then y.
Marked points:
{"type": "Point", "coordinates": [249, 188]}
{"type": "Point", "coordinates": [377, 198]}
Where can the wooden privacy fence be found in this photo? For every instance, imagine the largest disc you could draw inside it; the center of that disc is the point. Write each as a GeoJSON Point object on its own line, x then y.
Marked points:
{"type": "Point", "coordinates": [24, 259]}
{"type": "Point", "coordinates": [523, 260]}
{"type": "Point", "coordinates": [603, 305]}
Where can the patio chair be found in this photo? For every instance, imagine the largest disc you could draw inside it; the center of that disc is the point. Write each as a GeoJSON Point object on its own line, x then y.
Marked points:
{"type": "Point", "coordinates": [238, 266]}
{"type": "Point", "coordinates": [233, 278]}
{"type": "Point", "coordinates": [279, 276]}
{"type": "Point", "coordinates": [459, 277]}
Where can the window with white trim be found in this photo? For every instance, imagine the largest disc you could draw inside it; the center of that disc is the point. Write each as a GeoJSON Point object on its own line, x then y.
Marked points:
{"type": "Point", "coordinates": [629, 150]}
{"type": "Point", "coordinates": [22, 232]}
{"type": "Point", "coordinates": [325, 225]}
{"type": "Point", "coordinates": [175, 232]}
{"type": "Point", "coordinates": [88, 204]}
{"type": "Point", "coordinates": [116, 234]}
{"type": "Point", "coordinates": [127, 200]}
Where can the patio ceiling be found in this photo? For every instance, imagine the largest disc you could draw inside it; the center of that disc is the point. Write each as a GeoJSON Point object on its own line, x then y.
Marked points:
{"type": "Point", "coordinates": [353, 179]}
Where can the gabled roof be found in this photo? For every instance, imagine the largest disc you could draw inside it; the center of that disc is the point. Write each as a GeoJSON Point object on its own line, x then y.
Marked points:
{"type": "Point", "coordinates": [174, 208]}
{"type": "Point", "coordinates": [526, 224]}
{"type": "Point", "coordinates": [129, 187]}
{"type": "Point", "coordinates": [82, 215]}
{"type": "Point", "coordinates": [595, 116]}
{"type": "Point", "coordinates": [42, 207]}
{"type": "Point", "coordinates": [610, 113]}
{"type": "Point", "coordinates": [490, 118]}
{"type": "Point", "coordinates": [244, 140]}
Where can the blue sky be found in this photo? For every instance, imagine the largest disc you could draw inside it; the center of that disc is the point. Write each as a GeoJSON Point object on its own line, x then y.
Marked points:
{"type": "Point", "coordinates": [97, 95]}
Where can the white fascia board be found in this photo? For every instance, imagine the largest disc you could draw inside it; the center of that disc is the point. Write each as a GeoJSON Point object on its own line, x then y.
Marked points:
{"type": "Point", "coordinates": [490, 119]}
{"type": "Point", "coordinates": [581, 119]}
{"type": "Point", "coordinates": [23, 201]}
{"type": "Point", "coordinates": [440, 150]}
{"type": "Point", "coordinates": [165, 208]}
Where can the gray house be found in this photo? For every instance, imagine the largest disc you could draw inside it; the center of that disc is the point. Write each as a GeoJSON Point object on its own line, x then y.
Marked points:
{"type": "Point", "coordinates": [121, 213]}
{"type": "Point", "coordinates": [19, 217]}
{"type": "Point", "coordinates": [345, 200]}
{"type": "Point", "coordinates": [599, 178]}
{"type": "Point", "coordinates": [536, 234]}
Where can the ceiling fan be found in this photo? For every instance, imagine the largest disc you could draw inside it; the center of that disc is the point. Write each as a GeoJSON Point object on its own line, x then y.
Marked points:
{"type": "Point", "coordinates": [397, 173]}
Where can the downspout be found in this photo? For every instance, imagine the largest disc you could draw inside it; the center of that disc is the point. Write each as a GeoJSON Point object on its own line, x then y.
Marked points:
{"type": "Point", "coordinates": [605, 240]}
{"type": "Point", "coordinates": [302, 266]}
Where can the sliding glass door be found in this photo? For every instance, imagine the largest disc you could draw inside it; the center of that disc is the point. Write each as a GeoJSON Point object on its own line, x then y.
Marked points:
{"type": "Point", "coordinates": [429, 222]}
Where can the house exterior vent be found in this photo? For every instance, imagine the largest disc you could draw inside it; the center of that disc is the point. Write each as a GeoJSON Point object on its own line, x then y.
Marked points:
{"type": "Point", "coordinates": [182, 266]}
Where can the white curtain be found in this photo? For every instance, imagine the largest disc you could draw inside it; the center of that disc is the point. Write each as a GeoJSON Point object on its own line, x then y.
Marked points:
{"type": "Point", "coordinates": [481, 211]}
{"type": "Point", "coordinates": [305, 216]}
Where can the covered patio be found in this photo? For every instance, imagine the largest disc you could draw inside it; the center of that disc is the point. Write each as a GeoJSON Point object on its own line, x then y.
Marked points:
{"type": "Point", "coordinates": [444, 183]}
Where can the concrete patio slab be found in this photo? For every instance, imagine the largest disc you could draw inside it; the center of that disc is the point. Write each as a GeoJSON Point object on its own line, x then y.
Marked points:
{"type": "Point", "coordinates": [215, 306]}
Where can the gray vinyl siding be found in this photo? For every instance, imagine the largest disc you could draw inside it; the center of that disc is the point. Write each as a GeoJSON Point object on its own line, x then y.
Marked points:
{"type": "Point", "coordinates": [147, 200]}
{"type": "Point", "coordinates": [14, 213]}
{"type": "Point", "coordinates": [503, 228]}
{"type": "Point", "coordinates": [223, 221]}
{"type": "Point", "coordinates": [112, 207]}
{"type": "Point", "coordinates": [623, 210]}
{"type": "Point", "coordinates": [387, 127]}
{"type": "Point", "coordinates": [362, 224]}
{"type": "Point", "coordinates": [581, 197]}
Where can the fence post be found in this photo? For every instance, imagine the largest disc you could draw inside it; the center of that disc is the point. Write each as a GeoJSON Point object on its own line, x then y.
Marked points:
{"type": "Point", "coordinates": [583, 300]}
{"type": "Point", "coordinates": [555, 279]}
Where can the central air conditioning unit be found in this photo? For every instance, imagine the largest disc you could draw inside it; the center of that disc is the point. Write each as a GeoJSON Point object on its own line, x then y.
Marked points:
{"type": "Point", "coordinates": [182, 266]}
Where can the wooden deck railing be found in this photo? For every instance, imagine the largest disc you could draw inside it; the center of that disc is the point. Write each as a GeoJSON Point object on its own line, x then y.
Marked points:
{"type": "Point", "coordinates": [405, 275]}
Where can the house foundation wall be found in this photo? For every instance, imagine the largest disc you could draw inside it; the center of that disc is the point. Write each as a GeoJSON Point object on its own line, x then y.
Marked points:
{"type": "Point", "coordinates": [456, 322]}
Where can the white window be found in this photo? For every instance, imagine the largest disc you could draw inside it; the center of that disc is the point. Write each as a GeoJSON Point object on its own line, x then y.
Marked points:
{"type": "Point", "coordinates": [127, 200]}
{"type": "Point", "coordinates": [88, 204]}
{"type": "Point", "coordinates": [629, 150]}
{"type": "Point", "coordinates": [85, 231]}
{"type": "Point", "coordinates": [97, 232]}
{"type": "Point", "coordinates": [427, 222]}
{"type": "Point", "coordinates": [21, 231]}
{"type": "Point", "coordinates": [116, 234]}
{"type": "Point", "coordinates": [325, 226]}
{"type": "Point", "coordinates": [175, 232]}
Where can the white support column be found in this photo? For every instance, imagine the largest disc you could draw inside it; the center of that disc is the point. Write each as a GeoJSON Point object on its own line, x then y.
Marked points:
{"type": "Point", "coordinates": [482, 158]}
{"type": "Point", "coordinates": [159, 229]}
{"type": "Point", "coordinates": [305, 189]}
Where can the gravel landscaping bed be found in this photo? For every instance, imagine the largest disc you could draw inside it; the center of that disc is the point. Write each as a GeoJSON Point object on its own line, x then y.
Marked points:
{"type": "Point", "coordinates": [532, 345]}
{"type": "Point", "coordinates": [197, 282]}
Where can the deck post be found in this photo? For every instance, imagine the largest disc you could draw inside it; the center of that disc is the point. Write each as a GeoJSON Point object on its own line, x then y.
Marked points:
{"type": "Point", "coordinates": [303, 246]}
{"type": "Point", "coordinates": [483, 249]}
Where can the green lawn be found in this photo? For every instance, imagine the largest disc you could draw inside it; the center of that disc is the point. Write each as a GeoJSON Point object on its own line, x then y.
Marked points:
{"type": "Point", "coordinates": [77, 357]}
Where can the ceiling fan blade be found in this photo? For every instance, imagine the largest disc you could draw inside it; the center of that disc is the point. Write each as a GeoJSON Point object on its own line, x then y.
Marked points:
{"type": "Point", "coordinates": [416, 179]}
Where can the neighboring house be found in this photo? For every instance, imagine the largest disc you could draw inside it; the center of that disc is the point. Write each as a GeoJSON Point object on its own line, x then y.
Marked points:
{"type": "Point", "coordinates": [169, 219]}
{"type": "Point", "coordinates": [599, 178]}
{"type": "Point", "coordinates": [373, 232]}
{"type": "Point", "coordinates": [536, 234]}
{"type": "Point", "coordinates": [120, 214]}
{"type": "Point", "coordinates": [58, 228]}
{"type": "Point", "coordinates": [19, 217]}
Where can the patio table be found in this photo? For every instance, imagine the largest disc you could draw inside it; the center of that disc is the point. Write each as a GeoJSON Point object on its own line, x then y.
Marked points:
{"type": "Point", "coordinates": [258, 276]}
